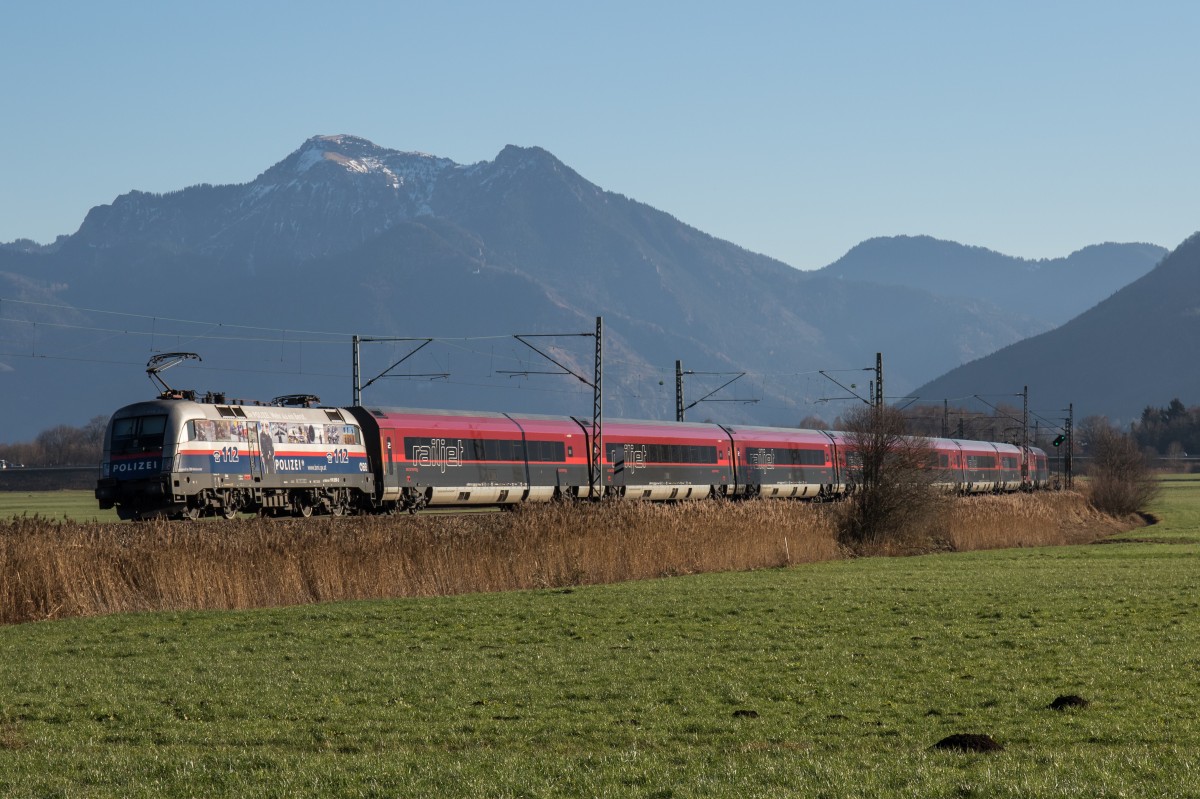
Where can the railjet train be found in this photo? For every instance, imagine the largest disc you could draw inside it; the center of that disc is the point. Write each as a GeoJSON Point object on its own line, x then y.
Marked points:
{"type": "Point", "coordinates": [182, 458]}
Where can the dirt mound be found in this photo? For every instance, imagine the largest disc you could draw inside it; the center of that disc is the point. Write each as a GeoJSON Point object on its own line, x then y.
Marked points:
{"type": "Point", "coordinates": [968, 742]}
{"type": "Point", "coordinates": [1068, 701]}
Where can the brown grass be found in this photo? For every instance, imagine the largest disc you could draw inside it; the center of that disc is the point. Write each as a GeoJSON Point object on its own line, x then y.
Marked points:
{"type": "Point", "coordinates": [1027, 520]}
{"type": "Point", "coordinates": [51, 569]}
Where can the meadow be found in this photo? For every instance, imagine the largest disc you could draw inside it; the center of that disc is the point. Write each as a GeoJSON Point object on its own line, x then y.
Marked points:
{"type": "Point", "coordinates": [832, 678]}
{"type": "Point", "coordinates": [79, 506]}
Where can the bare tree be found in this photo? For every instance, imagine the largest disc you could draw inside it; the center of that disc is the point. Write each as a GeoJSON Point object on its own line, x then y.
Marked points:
{"type": "Point", "coordinates": [57, 445]}
{"type": "Point", "coordinates": [63, 445]}
{"type": "Point", "coordinates": [1119, 477]}
{"type": "Point", "coordinates": [894, 497]}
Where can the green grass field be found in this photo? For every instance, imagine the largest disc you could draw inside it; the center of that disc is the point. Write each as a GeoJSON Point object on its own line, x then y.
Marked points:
{"type": "Point", "coordinates": [77, 506]}
{"type": "Point", "coordinates": [821, 680]}
{"type": "Point", "coordinates": [1178, 507]}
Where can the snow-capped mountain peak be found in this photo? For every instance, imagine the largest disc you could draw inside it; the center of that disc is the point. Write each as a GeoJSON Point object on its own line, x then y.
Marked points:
{"type": "Point", "coordinates": [329, 195]}
{"type": "Point", "coordinates": [358, 156]}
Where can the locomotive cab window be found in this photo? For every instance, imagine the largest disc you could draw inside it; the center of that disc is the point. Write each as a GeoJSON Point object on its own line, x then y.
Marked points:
{"type": "Point", "coordinates": [138, 433]}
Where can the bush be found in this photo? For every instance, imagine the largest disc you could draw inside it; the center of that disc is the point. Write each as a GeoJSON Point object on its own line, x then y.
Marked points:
{"type": "Point", "coordinates": [1119, 476]}
{"type": "Point", "coordinates": [894, 499]}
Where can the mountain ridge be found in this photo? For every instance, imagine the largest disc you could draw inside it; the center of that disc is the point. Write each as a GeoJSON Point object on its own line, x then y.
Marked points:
{"type": "Point", "coordinates": [341, 234]}
{"type": "Point", "coordinates": [1052, 290]}
{"type": "Point", "coordinates": [1130, 350]}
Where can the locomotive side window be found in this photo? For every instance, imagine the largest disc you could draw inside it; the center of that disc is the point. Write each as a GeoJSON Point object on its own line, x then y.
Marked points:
{"type": "Point", "coordinates": [138, 433]}
{"type": "Point", "coordinates": [341, 434]}
{"type": "Point", "coordinates": [208, 430]}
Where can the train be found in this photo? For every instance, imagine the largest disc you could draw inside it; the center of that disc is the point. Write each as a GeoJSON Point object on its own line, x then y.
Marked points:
{"type": "Point", "coordinates": [184, 457]}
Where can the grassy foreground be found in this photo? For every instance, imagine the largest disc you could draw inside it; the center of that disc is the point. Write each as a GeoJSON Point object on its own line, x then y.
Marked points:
{"type": "Point", "coordinates": [828, 679]}
{"type": "Point", "coordinates": [77, 506]}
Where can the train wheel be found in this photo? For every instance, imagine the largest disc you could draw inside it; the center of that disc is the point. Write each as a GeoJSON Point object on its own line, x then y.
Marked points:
{"type": "Point", "coordinates": [229, 505]}
{"type": "Point", "coordinates": [190, 514]}
{"type": "Point", "coordinates": [303, 509]}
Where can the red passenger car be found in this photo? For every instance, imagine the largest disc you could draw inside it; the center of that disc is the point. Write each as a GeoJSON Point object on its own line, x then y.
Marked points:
{"type": "Point", "coordinates": [775, 462]}
{"type": "Point", "coordinates": [664, 461]}
{"type": "Point", "coordinates": [423, 457]}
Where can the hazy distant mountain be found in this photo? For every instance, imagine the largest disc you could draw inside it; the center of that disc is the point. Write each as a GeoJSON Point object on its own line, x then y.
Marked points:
{"type": "Point", "coordinates": [1137, 348]}
{"type": "Point", "coordinates": [343, 235]}
{"type": "Point", "coordinates": [1050, 290]}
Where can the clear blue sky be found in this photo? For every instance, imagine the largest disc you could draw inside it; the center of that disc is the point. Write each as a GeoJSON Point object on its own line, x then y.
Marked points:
{"type": "Point", "coordinates": [795, 129]}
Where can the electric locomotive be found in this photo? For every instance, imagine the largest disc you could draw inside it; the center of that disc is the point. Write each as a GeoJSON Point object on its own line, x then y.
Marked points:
{"type": "Point", "coordinates": [185, 459]}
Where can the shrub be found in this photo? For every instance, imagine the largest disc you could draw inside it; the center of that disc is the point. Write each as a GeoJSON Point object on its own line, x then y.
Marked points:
{"type": "Point", "coordinates": [894, 499]}
{"type": "Point", "coordinates": [1119, 477]}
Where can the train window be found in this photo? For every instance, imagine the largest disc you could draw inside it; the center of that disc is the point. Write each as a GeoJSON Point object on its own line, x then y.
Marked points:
{"type": "Point", "coordinates": [208, 430]}
{"type": "Point", "coordinates": [337, 434]}
{"type": "Point", "coordinates": [504, 450]}
{"type": "Point", "coordinates": [808, 457]}
{"type": "Point", "coordinates": [788, 456]}
{"type": "Point", "coordinates": [660, 453]}
{"type": "Point", "coordinates": [483, 450]}
{"type": "Point", "coordinates": [640, 454]}
{"type": "Point", "coordinates": [545, 451]}
{"type": "Point", "coordinates": [138, 433]}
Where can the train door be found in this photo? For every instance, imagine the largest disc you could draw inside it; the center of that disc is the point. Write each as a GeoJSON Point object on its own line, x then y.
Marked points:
{"type": "Point", "coordinates": [252, 451]}
{"type": "Point", "coordinates": [837, 467]}
{"type": "Point", "coordinates": [734, 470]}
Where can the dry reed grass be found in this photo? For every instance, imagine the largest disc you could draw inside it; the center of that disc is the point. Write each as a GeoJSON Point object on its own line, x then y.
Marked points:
{"type": "Point", "coordinates": [52, 569]}
{"type": "Point", "coordinates": [1026, 520]}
